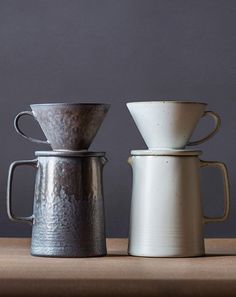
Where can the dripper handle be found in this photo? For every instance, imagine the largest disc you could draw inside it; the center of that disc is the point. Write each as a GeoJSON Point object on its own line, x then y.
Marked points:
{"type": "Point", "coordinates": [225, 175]}
{"type": "Point", "coordinates": [18, 130]}
{"type": "Point", "coordinates": [12, 168]}
{"type": "Point", "coordinates": [217, 121]}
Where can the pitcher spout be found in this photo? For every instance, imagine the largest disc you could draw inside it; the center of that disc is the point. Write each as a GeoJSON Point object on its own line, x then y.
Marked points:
{"type": "Point", "coordinates": [130, 161]}
{"type": "Point", "coordinates": [104, 161]}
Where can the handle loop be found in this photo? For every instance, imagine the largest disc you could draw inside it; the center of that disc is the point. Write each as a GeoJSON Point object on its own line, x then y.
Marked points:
{"type": "Point", "coordinates": [12, 168]}
{"type": "Point", "coordinates": [18, 130]}
{"type": "Point", "coordinates": [217, 121]}
{"type": "Point", "coordinates": [225, 175]}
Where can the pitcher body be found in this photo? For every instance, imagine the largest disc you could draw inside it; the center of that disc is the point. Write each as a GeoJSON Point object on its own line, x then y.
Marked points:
{"type": "Point", "coordinates": [68, 215]}
{"type": "Point", "coordinates": [166, 210]}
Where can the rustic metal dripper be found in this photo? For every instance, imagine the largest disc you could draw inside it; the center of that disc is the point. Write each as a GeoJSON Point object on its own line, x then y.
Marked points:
{"type": "Point", "coordinates": [68, 215]}
{"type": "Point", "coordinates": [67, 126]}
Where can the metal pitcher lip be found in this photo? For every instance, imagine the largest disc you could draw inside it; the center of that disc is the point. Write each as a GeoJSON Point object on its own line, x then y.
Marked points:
{"type": "Point", "coordinates": [82, 153]}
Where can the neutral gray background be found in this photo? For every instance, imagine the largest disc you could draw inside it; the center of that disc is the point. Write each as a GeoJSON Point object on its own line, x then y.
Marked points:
{"type": "Point", "coordinates": [117, 51]}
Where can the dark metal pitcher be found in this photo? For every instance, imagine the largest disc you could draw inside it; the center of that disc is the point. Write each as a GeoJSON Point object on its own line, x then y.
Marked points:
{"type": "Point", "coordinates": [68, 216]}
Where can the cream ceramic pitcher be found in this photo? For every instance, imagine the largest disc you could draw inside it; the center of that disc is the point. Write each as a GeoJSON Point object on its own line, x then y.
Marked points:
{"type": "Point", "coordinates": [166, 210]}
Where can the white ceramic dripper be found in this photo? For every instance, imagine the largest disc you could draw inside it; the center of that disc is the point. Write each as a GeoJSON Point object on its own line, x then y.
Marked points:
{"type": "Point", "coordinates": [170, 124]}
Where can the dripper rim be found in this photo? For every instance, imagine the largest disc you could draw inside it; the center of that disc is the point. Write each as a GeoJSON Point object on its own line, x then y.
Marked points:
{"type": "Point", "coordinates": [167, 101]}
{"type": "Point", "coordinates": [73, 103]}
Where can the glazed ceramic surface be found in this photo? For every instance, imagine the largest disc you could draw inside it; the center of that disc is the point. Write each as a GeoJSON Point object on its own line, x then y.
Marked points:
{"type": "Point", "coordinates": [67, 127]}
{"type": "Point", "coordinates": [166, 210]}
{"type": "Point", "coordinates": [170, 124]}
{"type": "Point", "coordinates": [68, 215]}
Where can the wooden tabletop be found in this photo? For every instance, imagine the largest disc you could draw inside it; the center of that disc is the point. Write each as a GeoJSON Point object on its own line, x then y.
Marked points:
{"type": "Point", "coordinates": [117, 274]}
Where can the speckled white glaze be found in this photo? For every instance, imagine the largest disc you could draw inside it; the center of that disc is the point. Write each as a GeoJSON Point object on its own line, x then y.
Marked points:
{"type": "Point", "coordinates": [170, 124]}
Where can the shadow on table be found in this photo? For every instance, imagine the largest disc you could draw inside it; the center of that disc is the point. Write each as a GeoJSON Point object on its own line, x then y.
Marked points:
{"type": "Point", "coordinates": [221, 255]}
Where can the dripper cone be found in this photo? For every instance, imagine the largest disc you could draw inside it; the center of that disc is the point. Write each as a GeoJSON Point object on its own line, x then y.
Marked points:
{"type": "Point", "coordinates": [70, 126]}
{"type": "Point", "coordinates": [170, 124]}
{"type": "Point", "coordinates": [67, 127]}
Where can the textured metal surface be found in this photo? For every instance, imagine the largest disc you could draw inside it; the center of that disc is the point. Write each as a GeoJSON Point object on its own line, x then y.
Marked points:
{"type": "Point", "coordinates": [68, 208]}
{"type": "Point", "coordinates": [67, 126]}
{"type": "Point", "coordinates": [68, 216]}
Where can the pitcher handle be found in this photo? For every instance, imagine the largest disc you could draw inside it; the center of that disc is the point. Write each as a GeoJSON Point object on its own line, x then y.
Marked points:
{"type": "Point", "coordinates": [225, 175]}
{"type": "Point", "coordinates": [18, 130]}
{"type": "Point", "coordinates": [9, 190]}
{"type": "Point", "coordinates": [217, 121]}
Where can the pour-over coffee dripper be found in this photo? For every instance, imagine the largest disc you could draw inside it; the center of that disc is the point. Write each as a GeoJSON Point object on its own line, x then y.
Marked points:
{"type": "Point", "coordinates": [170, 124]}
{"type": "Point", "coordinates": [67, 126]}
